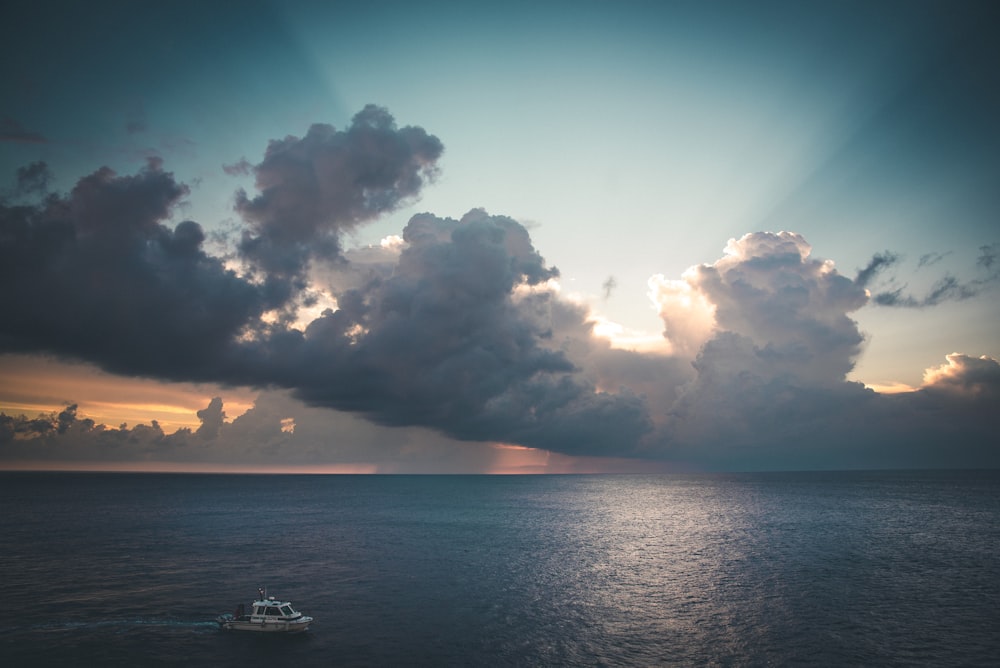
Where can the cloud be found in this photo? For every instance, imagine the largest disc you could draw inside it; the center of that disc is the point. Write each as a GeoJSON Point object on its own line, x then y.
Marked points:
{"type": "Point", "coordinates": [135, 121]}
{"type": "Point", "coordinates": [449, 329]}
{"type": "Point", "coordinates": [33, 179]}
{"type": "Point", "coordinates": [241, 167]}
{"type": "Point", "coordinates": [63, 437]}
{"type": "Point", "coordinates": [770, 389]}
{"type": "Point", "coordinates": [449, 342]}
{"type": "Point", "coordinates": [967, 375]}
{"type": "Point", "coordinates": [609, 286]}
{"type": "Point", "coordinates": [741, 417]}
{"type": "Point", "coordinates": [948, 288]}
{"type": "Point", "coordinates": [313, 188]}
{"type": "Point", "coordinates": [212, 418]}
{"type": "Point", "coordinates": [456, 329]}
{"type": "Point", "coordinates": [950, 421]}
{"type": "Point", "coordinates": [793, 309]}
{"type": "Point", "coordinates": [322, 440]}
{"type": "Point", "coordinates": [988, 259]}
{"type": "Point", "coordinates": [930, 259]}
{"type": "Point", "coordinates": [12, 131]}
{"type": "Point", "coordinates": [104, 279]}
{"type": "Point", "coordinates": [879, 263]}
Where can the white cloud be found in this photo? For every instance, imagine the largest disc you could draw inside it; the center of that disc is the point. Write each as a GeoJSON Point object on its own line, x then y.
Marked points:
{"type": "Point", "coordinates": [688, 315]}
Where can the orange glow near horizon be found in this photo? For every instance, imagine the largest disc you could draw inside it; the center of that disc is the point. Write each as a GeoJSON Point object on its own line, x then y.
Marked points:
{"type": "Point", "coordinates": [34, 386]}
{"type": "Point", "coordinates": [188, 467]}
{"type": "Point", "coordinates": [890, 388]}
{"type": "Point", "coordinates": [520, 460]}
{"type": "Point", "coordinates": [510, 460]}
{"type": "Point", "coordinates": [561, 466]}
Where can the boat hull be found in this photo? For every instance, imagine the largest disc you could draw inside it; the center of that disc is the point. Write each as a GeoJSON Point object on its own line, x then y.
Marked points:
{"type": "Point", "coordinates": [229, 623]}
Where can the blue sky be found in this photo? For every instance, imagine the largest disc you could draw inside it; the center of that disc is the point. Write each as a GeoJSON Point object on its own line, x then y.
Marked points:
{"type": "Point", "coordinates": [630, 140]}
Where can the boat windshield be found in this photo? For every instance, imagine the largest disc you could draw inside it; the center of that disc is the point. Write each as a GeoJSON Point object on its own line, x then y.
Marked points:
{"type": "Point", "coordinates": [287, 610]}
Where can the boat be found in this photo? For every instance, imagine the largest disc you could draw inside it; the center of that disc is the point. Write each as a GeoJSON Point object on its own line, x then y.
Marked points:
{"type": "Point", "coordinates": [267, 615]}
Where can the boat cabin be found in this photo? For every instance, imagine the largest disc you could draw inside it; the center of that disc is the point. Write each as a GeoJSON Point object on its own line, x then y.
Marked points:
{"type": "Point", "coordinates": [272, 609]}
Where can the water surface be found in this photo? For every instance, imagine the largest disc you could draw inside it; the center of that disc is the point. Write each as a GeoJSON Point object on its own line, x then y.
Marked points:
{"type": "Point", "coordinates": [887, 568]}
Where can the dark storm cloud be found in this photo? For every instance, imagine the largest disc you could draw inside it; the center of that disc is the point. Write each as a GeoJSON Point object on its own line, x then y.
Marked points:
{"type": "Point", "coordinates": [457, 336]}
{"type": "Point", "coordinates": [313, 188]}
{"type": "Point", "coordinates": [103, 278]}
{"type": "Point", "coordinates": [447, 342]}
{"type": "Point", "coordinates": [100, 277]}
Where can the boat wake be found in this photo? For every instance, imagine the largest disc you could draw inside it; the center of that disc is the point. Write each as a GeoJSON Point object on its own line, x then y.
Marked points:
{"type": "Point", "coordinates": [126, 625]}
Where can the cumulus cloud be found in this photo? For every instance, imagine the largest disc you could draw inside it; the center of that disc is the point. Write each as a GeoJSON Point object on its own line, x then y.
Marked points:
{"type": "Point", "coordinates": [102, 277]}
{"type": "Point", "coordinates": [212, 418]}
{"type": "Point", "coordinates": [312, 188]}
{"type": "Point", "coordinates": [774, 344]}
{"type": "Point", "coordinates": [63, 437]}
{"type": "Point", "coordinates": [793, 309]}
{"type": "Point", "coordinates": [448, 342]}
{"type": "Point", "coordinates": [687, 313]}
{"type": "Point", "coordinates": [963, 374]}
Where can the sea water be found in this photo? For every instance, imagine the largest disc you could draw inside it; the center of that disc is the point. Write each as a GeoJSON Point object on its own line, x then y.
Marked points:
{"type": "Point", "coordinates": [875, 568]}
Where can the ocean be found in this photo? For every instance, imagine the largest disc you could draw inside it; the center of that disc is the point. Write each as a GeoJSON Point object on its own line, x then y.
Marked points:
{"type": "Point", "coordinates": [780, 569]}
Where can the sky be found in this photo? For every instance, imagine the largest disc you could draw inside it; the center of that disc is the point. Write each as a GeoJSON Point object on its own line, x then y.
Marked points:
{"type": "Point", "coordinates": [544, 237]}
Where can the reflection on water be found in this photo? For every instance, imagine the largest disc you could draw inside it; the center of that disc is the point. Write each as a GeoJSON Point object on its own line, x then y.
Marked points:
{"type": "Point", "coordinates": [466, 570]}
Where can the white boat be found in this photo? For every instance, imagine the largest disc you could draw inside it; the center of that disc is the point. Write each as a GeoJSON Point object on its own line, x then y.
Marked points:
{"type": "Point", "coordinates": [267, 615]}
